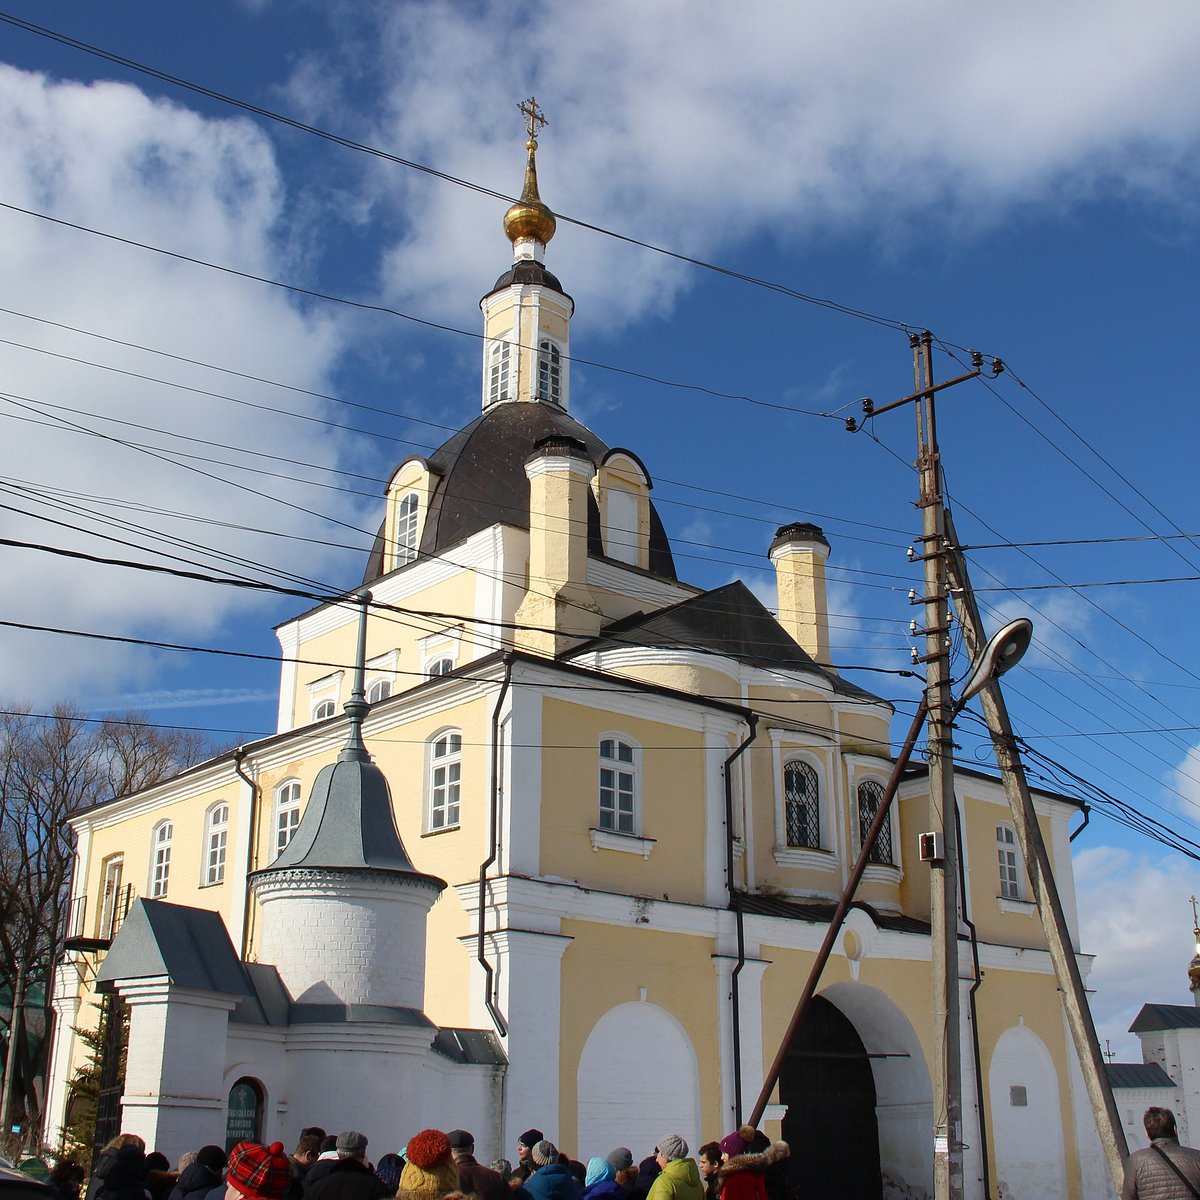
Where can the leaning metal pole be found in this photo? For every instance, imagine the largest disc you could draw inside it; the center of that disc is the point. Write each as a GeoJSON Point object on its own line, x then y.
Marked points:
{"type": "Point", "coordinates": [1041, 879]}
{"type": "Point", "coordinates": [943, 863]}
{"type": "Point", "coordinates": [839, 916]}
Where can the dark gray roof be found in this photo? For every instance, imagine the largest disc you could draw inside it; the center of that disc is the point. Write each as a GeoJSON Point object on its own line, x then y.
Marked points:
{"type": "Point", "coordinates": [820, 912]}
{"type": "Point", "coordinates": [470, 1046]}
{"type": "Point", "coordinates": [190, 946]}
{"type": "Point", "coordinates": [528, 270]}
{"type": "Point", "coordinates": [482, 482]}
{"type": "Point", "coordinates": [731, 621]}
{"type": "Point", "coordinates": [348, 824]}
{"type": "Point", "coordinates": [1166, 1016]}
{"type": "Point", "coordinates": [1138, 1075]}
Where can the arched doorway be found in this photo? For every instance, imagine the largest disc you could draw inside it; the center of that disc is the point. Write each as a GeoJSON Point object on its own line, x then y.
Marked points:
{"type": "Point", "coordinates": [829, 1089]}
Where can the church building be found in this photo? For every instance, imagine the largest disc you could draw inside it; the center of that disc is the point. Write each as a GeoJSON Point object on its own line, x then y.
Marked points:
{"type": "Point", "coordinates": [548, 837]}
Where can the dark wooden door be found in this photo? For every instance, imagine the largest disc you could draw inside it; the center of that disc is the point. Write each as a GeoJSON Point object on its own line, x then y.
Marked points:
{"type": "Point", "coordinates": [830, 1125]}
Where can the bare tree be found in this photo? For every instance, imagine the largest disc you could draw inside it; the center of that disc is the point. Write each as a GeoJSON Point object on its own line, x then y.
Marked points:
{"type": "Point", "coordinates": [50, 769]}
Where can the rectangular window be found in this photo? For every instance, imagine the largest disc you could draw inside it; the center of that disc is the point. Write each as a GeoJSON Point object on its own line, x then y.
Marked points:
{"type": "Point", "coordinates": [1006, 849]}
{"type": "Point", "coordinates": [445, 782]}
{"type": "Point", "coordinates": [618, 786]}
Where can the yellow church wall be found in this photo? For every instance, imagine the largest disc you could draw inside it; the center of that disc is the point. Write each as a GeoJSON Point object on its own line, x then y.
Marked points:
{"type": "Point", "coordinates": [671, 798]}
{"type": "Point", "coordinates": [607, 965]}
{"type": "Point", "coordinates": [684, 677]}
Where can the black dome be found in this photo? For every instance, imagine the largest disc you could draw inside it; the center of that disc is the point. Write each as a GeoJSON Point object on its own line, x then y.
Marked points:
{"type": "Point", "coordinates": [529, 270]}
{"type": "Point", "coordinates": [482, 482]}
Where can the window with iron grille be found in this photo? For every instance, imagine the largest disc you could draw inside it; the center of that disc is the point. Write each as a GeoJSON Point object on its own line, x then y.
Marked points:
{"type": "Point", "coordinates": [870, 796]}
{"type": "Point", "coordinates": [802, 804]}
{"type": "Point", "coordinates": [618, 786]}
{"type": "Point", "coordinates": [1006, 848]}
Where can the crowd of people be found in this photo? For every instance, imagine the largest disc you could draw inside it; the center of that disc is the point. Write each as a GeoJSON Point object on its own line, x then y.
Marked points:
{"type": "Point", "coordinates": [434, 1165]}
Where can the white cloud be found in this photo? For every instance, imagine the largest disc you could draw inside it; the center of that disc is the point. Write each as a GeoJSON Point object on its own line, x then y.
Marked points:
{"type": "Point", "coordinates": [1135, 917]}
{"type": "Point", "coordinates": [1185, 779]}
{"type": "Point", "coordinates": [703, 127]}
{"type": "Point", "coordinates": [105, 156]}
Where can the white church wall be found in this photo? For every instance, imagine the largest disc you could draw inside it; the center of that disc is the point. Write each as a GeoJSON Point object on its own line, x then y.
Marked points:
{"type": "Point", "coordinates": [259, 1052]}
{"type": "Point", "coordinates": [377, 928]}
{"type": "Point", "coordinates": [667, 1096]}
{"type": "Point", "coordinates": [1027, 1131]}
{"type": "Point", "coordinates": [465, 1096]}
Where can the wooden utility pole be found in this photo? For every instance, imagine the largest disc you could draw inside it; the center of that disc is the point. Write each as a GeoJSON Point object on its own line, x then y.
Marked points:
{"type": "Point", "coordinates": [15, 1031]}
{"type": "Point", "coordinates": [1041, 878]}
{"type": "Point", "coordinates": [942, 849]}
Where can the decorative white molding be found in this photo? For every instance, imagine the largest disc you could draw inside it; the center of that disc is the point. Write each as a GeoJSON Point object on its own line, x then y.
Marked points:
{"type": "Point", "coordinates": [1025, 907]}
{"type": "Point", "coordinates": [811, 858]}
{"type": "Point", "coordinates": [629, 843]}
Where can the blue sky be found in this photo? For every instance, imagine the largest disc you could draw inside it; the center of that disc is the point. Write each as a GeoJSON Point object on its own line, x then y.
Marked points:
{"type": "Point", "coordinates": [1020, 181]}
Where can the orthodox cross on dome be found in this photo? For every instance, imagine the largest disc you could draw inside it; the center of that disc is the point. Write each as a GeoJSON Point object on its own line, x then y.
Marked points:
{"type": "Point", "coordinates": [535, 118]}
{"type": "Point", "coordinates": [1195, 918]}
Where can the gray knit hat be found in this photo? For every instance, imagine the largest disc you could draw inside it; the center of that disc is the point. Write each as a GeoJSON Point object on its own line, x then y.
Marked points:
{"type": "Point", "coordinates": [672, 1146]}
{"type": "Point", "coordinates": [620, 1159]}
{"type": "Point", "coordinates": [545, 1153]}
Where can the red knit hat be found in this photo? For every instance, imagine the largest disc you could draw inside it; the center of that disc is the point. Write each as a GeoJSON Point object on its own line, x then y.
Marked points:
{"type": "Point", "coordinates": [427, 1149]}
{"type": "Point", "coordinates": [259, 1172]}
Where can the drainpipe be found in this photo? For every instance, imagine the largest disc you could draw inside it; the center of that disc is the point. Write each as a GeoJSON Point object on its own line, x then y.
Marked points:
{"type": "Point", "coordinates": [489, 984]}
{"type": "Point", "coordinates": [976, 984]}
{"type": "Point", "coordinates": [1087, 816]}
{"type": "Point", "coordinates": [739, 918]}
{"type": "Point", "coordinates": [239, 756]}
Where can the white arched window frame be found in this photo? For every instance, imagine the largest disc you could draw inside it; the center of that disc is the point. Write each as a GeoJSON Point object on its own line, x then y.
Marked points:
{"type": "Point", "coordinates": [801, 804]}
{"type": "Point", "coordinates": [445, 781]}
{"type": "Point", "coordinates": [499, 371]}
{"type": "Point", "coordinates": [323, 710]}
{"type": "Point", "coordinates": [407, 514]}
{"type": "Point", "coordinates": [287, 814]}
{"type": "Point", "coordinates": [620, 785]}
{"type": "Point", "coordinates": [379, 689]}
{"type": "Point", "coordinates": [160, 859]}
{"type": "Point", "coordinates": [1009, 856]}
{"type": "Point", "coordinates": [439, 666]}
{"type": "Point", "coordinates": [216, 844]}
{"type": "Point", "coordinates": [869, 795]}
{"type": "Point", "coordinates": [549, 371]}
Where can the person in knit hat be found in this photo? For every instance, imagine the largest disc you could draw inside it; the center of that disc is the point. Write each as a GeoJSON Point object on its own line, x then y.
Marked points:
{"type": "Point", "coordinates": [744, 1176]}
{"type": "Point", "coordinates": [259, 1172]}
{"type": "Point", "coordinates": [429, 1171]}
{"type": "Point", "coordinates": [600, 1182]}
{"type": "Point", "coordinates": [551, 1180]}
{"type": "Point", "coordinates": [679, 1178]}
{"type": "Point", "coordinates": [525, 1144]}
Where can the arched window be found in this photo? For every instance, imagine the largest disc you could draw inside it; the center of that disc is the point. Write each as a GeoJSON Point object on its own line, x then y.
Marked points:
{"type": "Point", "coordinates": [802, 804]}
{"type": "Point", "coordinates": [381, 689]}
{"type": "Point", "coordinates": [287, 814]}
{"type": "Point", "coordinates": [406, 529]}
{"type": "Point", "coordinates": [440, 666]}
{"type": "Point", "coordinates": [445, 779]}
{"type": "Point", "coordinates": [215, 842]}
{"type": "Point", "coordinates": [870, 796]}
{"type": "Point", "coordinates": [549, 372]}
{"type": "Point", "coordinates": [160, 862]}
{"type": "Point", "coordinates": [498, 371]}
{"type": "Point", "coordinates": [1010, 875]}
{"type": "Point", "coordinates": [324, 710]}
{"type": "Point", "coordinates": [618, 785]}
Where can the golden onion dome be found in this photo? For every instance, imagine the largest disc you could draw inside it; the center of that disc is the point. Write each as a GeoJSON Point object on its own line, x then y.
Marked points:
{"type": "Point", "coordinates": [529, 217]}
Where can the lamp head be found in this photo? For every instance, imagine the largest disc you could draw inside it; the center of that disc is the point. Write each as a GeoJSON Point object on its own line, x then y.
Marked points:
{"type": "Point", "coordinates": [1004, 649]}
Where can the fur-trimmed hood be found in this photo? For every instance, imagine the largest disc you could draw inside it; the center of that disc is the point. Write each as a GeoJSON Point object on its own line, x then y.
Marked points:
{"type": "Point", "coordinates": [774, 1153]}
